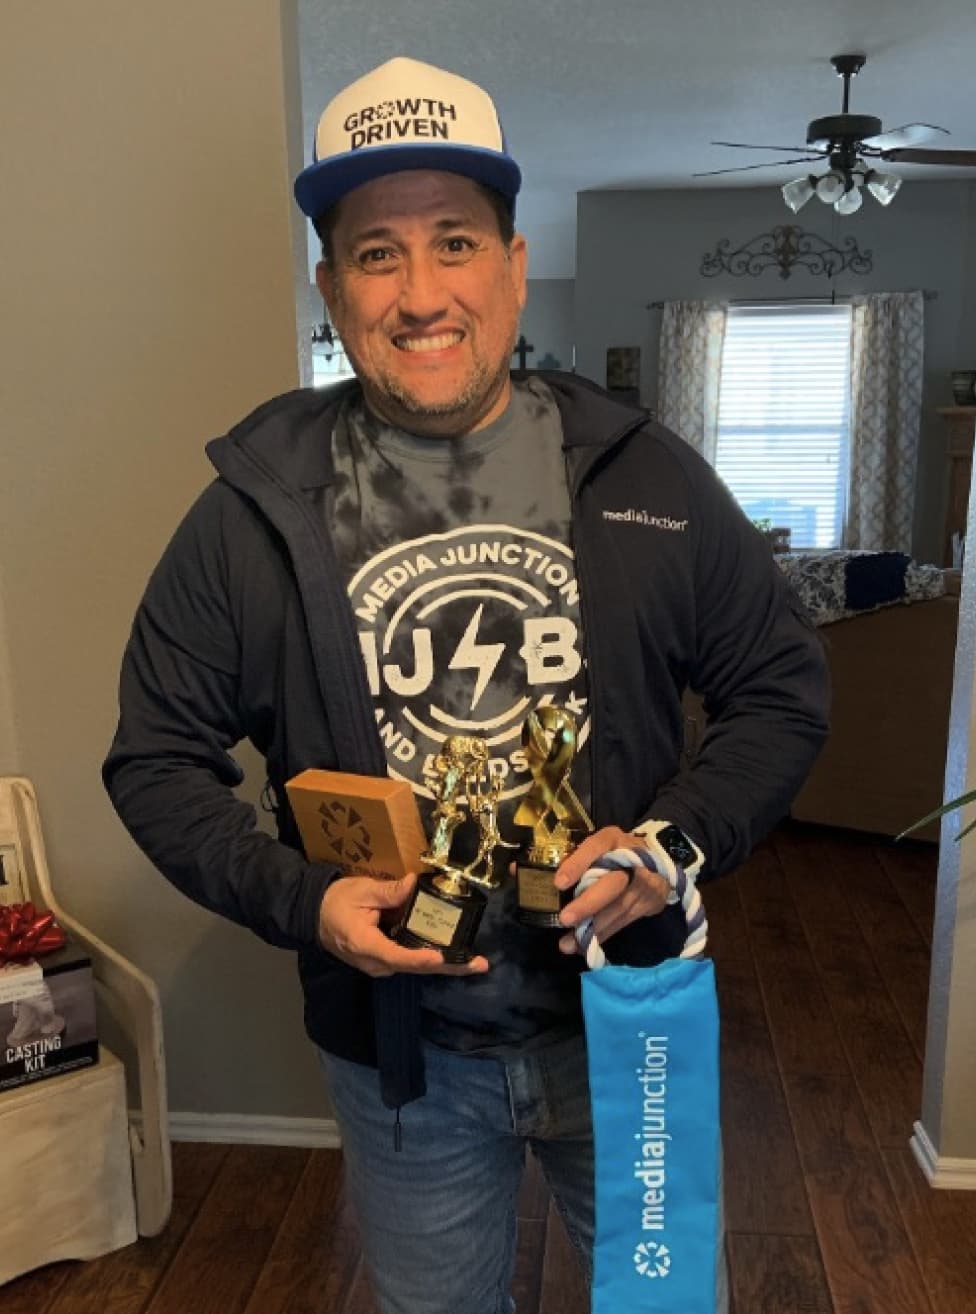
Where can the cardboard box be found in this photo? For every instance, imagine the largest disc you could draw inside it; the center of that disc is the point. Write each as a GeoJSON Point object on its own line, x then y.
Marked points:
{"type": "Point", "coordinates": [368, 825]}
{"type": "Point", "coordinates": [47, 1017]}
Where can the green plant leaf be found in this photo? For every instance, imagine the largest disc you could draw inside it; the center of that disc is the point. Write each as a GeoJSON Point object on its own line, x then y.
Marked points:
{"type": "Point", "coordinates": [951, 806]}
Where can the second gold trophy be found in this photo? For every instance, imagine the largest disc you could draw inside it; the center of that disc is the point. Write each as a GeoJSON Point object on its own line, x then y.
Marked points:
{"type": "Point", "coordinates": [553, 811]}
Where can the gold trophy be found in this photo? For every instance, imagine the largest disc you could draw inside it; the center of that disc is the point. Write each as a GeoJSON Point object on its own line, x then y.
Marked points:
{"type": "Point", "coordinates": [551, 807]}
{"type": "Point", "coordinates": [447, 905]}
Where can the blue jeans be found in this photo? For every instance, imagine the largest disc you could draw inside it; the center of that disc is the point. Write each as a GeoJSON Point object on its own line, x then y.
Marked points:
{"type": "Point", "coordinates": [438, 1218]}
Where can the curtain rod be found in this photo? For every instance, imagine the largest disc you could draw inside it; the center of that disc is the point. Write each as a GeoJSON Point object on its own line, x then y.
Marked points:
{"type": "Point", "coordinates": [927, 295]}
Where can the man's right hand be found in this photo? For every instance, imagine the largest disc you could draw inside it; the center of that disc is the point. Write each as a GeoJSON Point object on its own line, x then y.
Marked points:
{"type": "Point", "coordinates": [349, 927]}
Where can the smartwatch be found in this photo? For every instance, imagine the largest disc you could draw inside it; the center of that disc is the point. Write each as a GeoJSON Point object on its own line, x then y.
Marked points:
{"type": "Point", "coordinates": [670, 847]}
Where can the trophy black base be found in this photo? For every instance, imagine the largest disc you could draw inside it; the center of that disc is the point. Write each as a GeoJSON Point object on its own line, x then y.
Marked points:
{"type": "Point", "coordinates": [444, 913]}
{"type": "Point", "coordinates": [539, 902]}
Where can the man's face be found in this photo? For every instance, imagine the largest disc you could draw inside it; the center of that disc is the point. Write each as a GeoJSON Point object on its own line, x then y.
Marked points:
{"type": "Point", "coordinates": [426, 299]}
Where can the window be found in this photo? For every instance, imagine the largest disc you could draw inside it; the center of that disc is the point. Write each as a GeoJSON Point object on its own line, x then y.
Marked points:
{"type": "Point", "coordinates": [329, 364]}
{"type": "Point", "coordinates": [784, 417]}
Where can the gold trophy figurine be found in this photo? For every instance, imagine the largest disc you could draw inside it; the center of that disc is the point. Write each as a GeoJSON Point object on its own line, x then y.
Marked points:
{"type": "Point", "coordinates": [447, 905]}
{"type": "Point", "coordinates": [551, 807]}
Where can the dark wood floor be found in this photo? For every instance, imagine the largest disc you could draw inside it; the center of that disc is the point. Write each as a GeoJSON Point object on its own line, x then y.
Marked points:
{"type": "Point", "coordinates": [821, 944]}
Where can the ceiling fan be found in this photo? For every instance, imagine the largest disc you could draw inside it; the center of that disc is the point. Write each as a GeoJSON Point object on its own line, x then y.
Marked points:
{"type": "Point", "coordinates": [849, 143]}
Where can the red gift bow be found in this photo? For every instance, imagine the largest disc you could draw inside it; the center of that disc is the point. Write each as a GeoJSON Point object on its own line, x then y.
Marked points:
{"type": "Point", "coordinates": [25, 933]}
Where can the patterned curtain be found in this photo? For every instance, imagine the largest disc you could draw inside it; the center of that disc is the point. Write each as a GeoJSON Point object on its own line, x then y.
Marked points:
{"type": "Point", "coordinates": [689, 371]}
{"type": "Point", "coordinates": [887, 340]}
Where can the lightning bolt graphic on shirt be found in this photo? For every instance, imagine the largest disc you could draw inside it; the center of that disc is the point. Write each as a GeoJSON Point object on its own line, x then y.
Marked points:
{"type": "Point", "coordinates": [481, 657]}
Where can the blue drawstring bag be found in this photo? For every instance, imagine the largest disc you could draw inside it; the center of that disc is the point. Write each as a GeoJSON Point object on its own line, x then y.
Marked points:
{"type": "Point", "coordinates": [652, 1045]}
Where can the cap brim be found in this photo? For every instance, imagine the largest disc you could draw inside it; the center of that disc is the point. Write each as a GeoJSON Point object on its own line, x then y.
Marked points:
{"type": "Point", "coordinates": [322, 184]}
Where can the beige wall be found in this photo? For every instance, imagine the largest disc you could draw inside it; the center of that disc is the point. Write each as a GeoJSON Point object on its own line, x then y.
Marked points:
{"type": "Point", "coordinates": [150, 169]}
{"type": "Point", "coordinates": [948, 1106]}
{"type": "Point", "coordinates": [9, 751]}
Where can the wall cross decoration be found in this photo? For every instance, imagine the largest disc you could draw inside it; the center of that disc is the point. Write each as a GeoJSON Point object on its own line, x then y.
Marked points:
{"type": "Point", "coordinates": [523, 347]}
{"type": "Point", "coordinates": [785, 248]}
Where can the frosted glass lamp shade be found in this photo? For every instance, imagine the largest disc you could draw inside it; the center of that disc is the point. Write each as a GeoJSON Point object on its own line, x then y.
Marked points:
{"type": "Point", "coordinates": [883, 186]}
{"type": "Point", "coordinates": [797, 193]}
{"type": "Point", "coordinates": [849, 203]}
{"type": "Point", "coordinates": [830, 187]}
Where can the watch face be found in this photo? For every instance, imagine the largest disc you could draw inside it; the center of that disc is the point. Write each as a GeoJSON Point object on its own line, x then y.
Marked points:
{"type": "Point", "coordinates": [676, 845]}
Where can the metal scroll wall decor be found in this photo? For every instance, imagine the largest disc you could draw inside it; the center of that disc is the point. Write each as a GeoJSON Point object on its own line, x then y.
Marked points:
{"type": "Point", "coordinates": [785, 248]}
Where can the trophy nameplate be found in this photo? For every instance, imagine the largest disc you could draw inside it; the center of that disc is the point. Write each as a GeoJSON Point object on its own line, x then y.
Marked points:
{"type": "Point", "coordinates": [551, 808]}
{"type": "Point", "coordinates": [447, 904]}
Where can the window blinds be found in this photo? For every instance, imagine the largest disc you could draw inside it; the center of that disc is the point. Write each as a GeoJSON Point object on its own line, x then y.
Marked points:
{"type": "Point", "coordinates": [784, 417]}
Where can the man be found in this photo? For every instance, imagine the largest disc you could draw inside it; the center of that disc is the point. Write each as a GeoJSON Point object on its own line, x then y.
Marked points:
{"type": "Point", "coordinates": [436, 549]}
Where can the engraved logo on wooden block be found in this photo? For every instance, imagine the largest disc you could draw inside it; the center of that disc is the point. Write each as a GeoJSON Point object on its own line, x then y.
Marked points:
{"type": "Point", "coordinates": [346, 832]}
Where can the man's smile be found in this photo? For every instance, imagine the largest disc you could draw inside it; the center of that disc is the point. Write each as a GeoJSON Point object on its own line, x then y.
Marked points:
{"type": "Point", "coordinates": [429, 342]}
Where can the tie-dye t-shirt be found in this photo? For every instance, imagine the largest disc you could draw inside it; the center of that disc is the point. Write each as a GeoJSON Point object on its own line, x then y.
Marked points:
{"type": "Point", "coordinates": [460, 572]}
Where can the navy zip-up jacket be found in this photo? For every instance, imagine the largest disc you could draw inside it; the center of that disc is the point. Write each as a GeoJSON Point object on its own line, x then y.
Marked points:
{"type": "Point", "coordinates": [246, 631]}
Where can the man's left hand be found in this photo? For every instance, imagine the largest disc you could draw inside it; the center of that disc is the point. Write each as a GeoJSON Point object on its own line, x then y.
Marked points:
{"type": "Point", "coordinates": [614, 901]}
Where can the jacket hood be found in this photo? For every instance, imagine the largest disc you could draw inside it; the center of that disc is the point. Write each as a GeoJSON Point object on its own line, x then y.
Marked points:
{"type": "Point", "coordinates": [286, 435]}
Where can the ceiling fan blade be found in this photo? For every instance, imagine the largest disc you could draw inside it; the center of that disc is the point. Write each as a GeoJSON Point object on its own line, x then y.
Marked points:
{"type": "Point", "coordinates": [967, 159]}
{"type": "Point", "coordinates": [751, 146]}
{"type": "Point", "coordinates": [767, 164]}
{"type": "Point", "coordinates": [911, 134]}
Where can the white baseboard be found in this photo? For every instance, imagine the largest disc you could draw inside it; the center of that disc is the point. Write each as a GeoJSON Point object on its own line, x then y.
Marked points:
{"type": "Point", "coordinates": [248, 1129]}
{"type": "Point", "coordinates": [941, 1172]}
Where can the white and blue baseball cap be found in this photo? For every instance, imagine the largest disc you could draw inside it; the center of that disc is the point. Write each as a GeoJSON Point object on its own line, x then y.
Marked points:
{"type": "Point", "coordinates": [406, 115]}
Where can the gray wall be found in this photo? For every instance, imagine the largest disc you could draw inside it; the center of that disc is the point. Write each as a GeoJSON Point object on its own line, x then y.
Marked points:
{"type": "Point", "coordinates": [547, 320]}
{"type": "Point", "coordinates": [638, 247]}
{"type": "Point", "coordinates": [966, 354]}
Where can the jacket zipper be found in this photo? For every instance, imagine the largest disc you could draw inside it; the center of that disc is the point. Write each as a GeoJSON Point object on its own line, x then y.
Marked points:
{"type": "Point", "coordinates": [583, 569]}
{"type": "Point", "coordinates": [397, 1032]}
{"type": "Point", "coordinates": [354, 722]}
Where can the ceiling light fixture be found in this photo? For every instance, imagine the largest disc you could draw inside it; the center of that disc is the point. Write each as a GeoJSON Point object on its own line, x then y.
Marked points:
{"type": "Point", "coordinates": [831, 186]}
{"type": "Point", "coordinates": [883, 186]}
{"type": "Point", "coordinates": [797, 193]}
{"type": "Point", "coordinates": [850, 202]}
{"type": "Point", "coordinates": [841, 185]}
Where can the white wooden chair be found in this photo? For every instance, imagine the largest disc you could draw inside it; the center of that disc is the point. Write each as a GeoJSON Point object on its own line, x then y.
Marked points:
{"type": "Point", "coordinates": [81, 1176]}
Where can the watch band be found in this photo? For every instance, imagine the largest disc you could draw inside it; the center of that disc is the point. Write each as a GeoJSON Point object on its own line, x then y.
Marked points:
{"type": "Point", "coordinates": [668, 844]}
